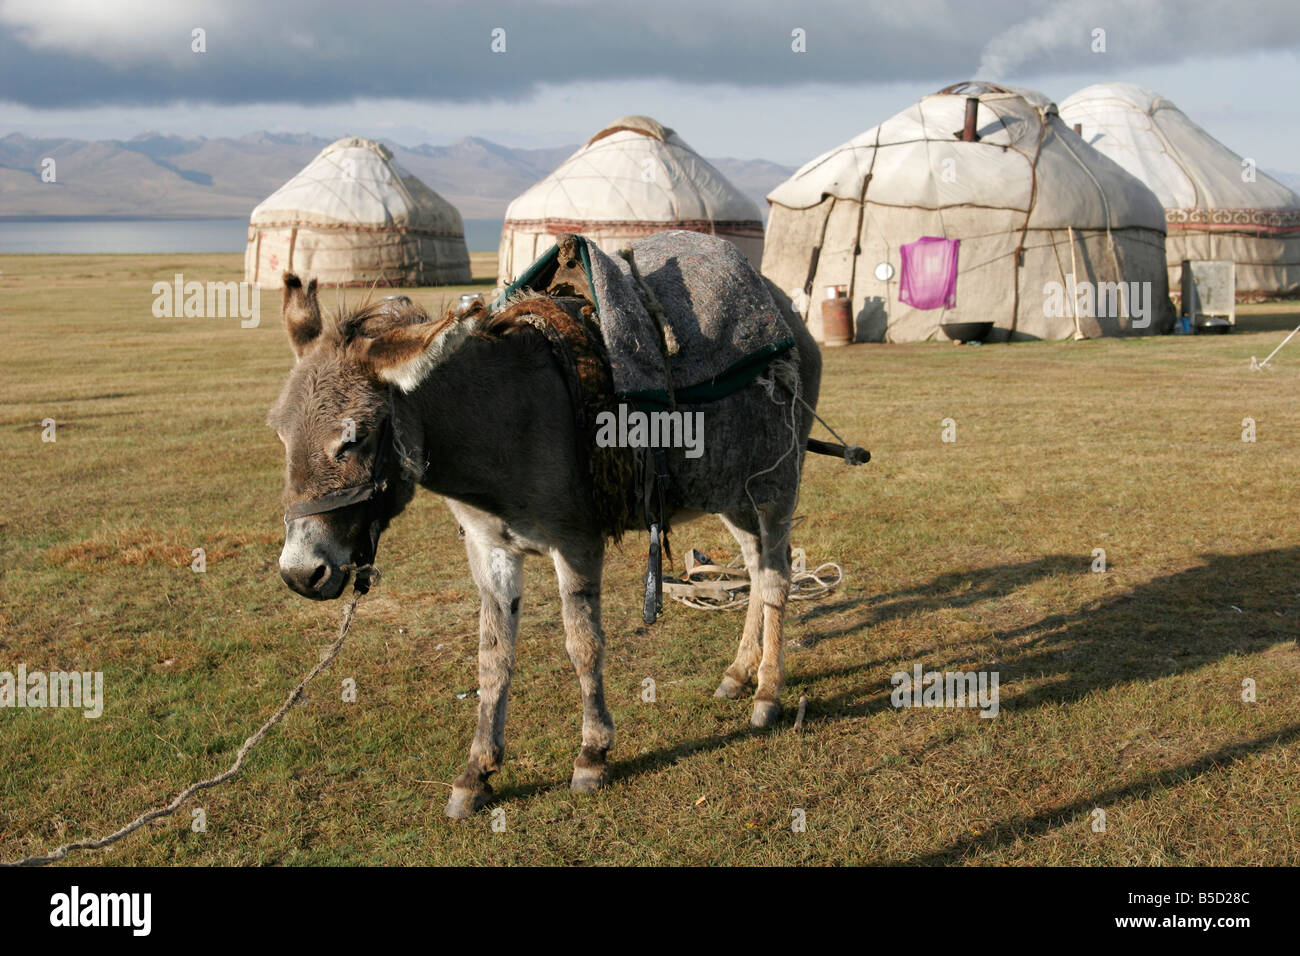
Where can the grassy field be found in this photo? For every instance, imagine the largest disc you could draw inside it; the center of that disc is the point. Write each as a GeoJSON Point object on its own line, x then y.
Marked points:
{"type": "Point", "coordinates": [1119, 690]}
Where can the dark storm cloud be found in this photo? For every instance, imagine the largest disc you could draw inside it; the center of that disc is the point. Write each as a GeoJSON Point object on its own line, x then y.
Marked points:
{"type": "Point", "coordinates": [52, 55]}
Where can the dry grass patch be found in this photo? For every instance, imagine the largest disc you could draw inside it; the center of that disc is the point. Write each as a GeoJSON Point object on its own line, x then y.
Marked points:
{"type": "Point", "coordinates": [135, 547]}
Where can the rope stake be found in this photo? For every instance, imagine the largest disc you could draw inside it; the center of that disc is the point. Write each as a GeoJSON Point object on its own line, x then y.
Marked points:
{"type": "Point", "coordinates": [1259, 366]}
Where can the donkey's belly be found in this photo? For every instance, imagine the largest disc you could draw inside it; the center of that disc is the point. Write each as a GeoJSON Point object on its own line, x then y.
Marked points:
{"type": "Point", "coordinates": [495, 531]}
{"type": "Point", "coordinates": [748, 437]}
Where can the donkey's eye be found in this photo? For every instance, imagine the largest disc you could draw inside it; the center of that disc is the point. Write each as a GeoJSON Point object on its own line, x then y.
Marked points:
{"type": "Point", "coordinates": [345, 446]}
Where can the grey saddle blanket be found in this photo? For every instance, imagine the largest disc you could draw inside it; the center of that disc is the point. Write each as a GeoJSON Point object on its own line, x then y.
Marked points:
{"type": "Point", "coordinates": [725, 326]}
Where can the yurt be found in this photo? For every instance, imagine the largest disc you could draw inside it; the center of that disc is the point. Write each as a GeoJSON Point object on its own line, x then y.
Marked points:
{"type": "Point", "coordinates": [976, 204]}
{"type": "Point", "coordinates": [633, 178]}
{"type": "Point", "coordinates": [353, 216]}
{"type": "Point", "coordinates": [1217, 205]}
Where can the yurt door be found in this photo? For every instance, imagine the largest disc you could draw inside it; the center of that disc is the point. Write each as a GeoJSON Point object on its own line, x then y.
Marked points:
{"type": "Point", "coordinates": [274, 255]}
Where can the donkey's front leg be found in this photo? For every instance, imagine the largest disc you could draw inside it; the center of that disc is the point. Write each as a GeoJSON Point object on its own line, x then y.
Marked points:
{"type": "Point", "coordinates": [578, 570]}
{"type": "Point", "coordinates": [499, 573]}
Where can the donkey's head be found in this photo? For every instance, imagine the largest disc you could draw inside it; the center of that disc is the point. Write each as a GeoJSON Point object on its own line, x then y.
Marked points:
{"type": "Point", "coordinates": [343, 478]}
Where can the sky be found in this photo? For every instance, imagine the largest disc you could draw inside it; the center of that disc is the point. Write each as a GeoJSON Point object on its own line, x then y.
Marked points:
{"type": "Point", "coordinates": [727, 75]}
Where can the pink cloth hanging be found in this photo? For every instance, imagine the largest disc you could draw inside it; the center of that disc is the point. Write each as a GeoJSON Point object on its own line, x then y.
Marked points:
{"type": "Point", "coordinates": [928, 278]}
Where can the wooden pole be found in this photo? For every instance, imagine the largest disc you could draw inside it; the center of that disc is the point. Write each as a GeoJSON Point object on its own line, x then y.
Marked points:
{"type": "Point", "coordinates": [1074, 287]}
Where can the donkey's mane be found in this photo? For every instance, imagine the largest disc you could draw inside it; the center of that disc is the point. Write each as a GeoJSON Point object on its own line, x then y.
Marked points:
{"type": "Point", "coordinates": [374, 318]}
{"type": "Point", "coordinates": [510, 319]}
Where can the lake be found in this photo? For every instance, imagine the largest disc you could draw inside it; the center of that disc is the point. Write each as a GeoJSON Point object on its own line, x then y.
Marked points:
{"type": "Point", "coordinates": [165, 235]}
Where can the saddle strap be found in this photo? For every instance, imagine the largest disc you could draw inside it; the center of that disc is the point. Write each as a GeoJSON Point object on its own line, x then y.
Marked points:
{"type": "Point", "coordinates": [654, 580]}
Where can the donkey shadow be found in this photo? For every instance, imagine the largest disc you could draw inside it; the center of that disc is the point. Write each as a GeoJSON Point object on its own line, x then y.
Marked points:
{"type": "Point", "coordinates": [1227, 605]}
{"type": "Point", "coordinates": [1165, 627]}
{"type": "Point", "coordinates": [952, 589]}
{"type": "Point", "coordinates": [1018, 828]}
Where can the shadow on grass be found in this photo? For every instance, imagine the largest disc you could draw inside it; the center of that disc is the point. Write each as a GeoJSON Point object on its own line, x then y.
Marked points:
{"type": "Point", "coordinates": [1168, 626]}
{"type": "Point", "coordinates": [1029, 826]}
{"type": "Point", "coordinates": [1283, 316]}
{"type": "Point", "coordinates": [954, 589]}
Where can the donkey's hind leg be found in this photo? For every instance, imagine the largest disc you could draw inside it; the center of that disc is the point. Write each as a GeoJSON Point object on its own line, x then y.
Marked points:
{"type": "Point", "coordinates": [578, 572]}
{"type": "Point", "coordinates": [737, 678]}
{"type": "Point", "coordinates": [772, 584]}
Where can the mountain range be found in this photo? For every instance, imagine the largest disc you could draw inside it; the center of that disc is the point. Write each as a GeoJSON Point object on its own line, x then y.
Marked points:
{"type": "Point", "coordinates": [154, 175]}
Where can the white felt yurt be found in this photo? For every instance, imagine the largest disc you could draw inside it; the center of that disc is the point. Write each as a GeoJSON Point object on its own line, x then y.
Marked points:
{"type": "Point", "coordinates": [1027, 201]}
{"type": "Point", "coordinates": [633, 178]}
{"type": "Point", "coordinates": [353, 216]}
{"type": "Point", "coordinates": [1217, 205]}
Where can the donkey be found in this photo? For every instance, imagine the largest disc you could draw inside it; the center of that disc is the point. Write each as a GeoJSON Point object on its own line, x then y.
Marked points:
{"type": "Point", "coordinates": [384, 398]}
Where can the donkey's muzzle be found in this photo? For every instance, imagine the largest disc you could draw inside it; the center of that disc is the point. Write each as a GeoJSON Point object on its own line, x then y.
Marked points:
{"type": "Point", "coordinates": [322, 582]}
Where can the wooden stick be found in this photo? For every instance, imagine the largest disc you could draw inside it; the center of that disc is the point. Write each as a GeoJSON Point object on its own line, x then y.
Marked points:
{"type": "Point", "coordinates": [850, 453]}
{"type": "Point", "coordinates": [1074, 287]}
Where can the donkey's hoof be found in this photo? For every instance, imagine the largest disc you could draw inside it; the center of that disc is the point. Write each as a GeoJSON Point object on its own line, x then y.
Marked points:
{"type": "Point", "coordinates": [589, 779]}
{"type": "Point", "coordinates": [464, 802]}
{"type": "Point", "coordinates": [730, 688]}
{"type": "Point", "coordinates": [766, 713]}
{"type": "Point", "coordinates": [590, 772]}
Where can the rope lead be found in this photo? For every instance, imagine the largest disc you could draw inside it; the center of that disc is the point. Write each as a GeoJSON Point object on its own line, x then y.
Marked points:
{"type": "Point", "coordinates": [365, 578]}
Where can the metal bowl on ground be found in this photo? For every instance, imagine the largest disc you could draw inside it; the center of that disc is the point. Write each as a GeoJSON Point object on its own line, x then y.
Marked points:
{"type": "Point", "coordinates": [1212, 325]}
{"type": "Point", "coordinates": [967, 331]}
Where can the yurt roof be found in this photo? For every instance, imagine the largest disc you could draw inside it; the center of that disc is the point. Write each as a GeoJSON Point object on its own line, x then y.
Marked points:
{"type": "Point", "coordinates": [356, 181]}
{"type": "Point", "coordinates": [984, 88]}
{"type": "Point", "coordinates": [1153, 139]}
{"type": "Point", "coordinates": [635, 124]}
{"type": "Point", "coordinates": [1024, 158]}
{"type": "Point", "coordinates": [635, 170]}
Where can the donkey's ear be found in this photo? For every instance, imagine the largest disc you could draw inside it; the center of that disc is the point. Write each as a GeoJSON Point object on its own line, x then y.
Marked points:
{"type": "Point", "coordinates": [301, 313]}
{"type": "Point", "coordinates": [405, 355]}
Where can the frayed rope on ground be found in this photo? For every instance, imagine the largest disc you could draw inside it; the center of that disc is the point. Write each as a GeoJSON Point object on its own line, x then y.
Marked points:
{"type": "Point", "coordinates": [365, 578]}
